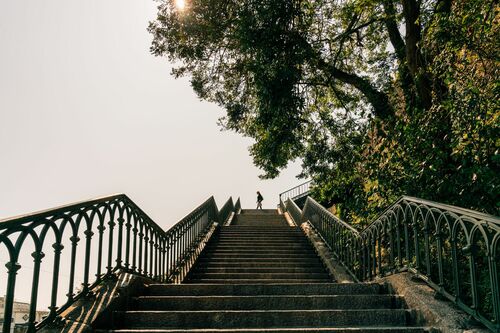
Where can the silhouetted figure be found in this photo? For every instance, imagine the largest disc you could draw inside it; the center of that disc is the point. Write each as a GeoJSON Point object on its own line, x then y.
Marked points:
{"type": "Point", "coordinates": [260, 198]}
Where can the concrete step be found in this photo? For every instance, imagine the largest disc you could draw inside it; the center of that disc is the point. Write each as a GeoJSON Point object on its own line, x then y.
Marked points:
{"type": "Point", "coordinates": [209, 269]}
{"type": "Point", "coordinates": [260, 249]}
{"type": "Point", "coordinates": [254, 275]}
{"type": "Point", "coordinates": [274, 289]}
{"type": "Point", "coordinates": [266, 302]}
{"type": "Point", "coordinates": [257, 252]}
{"type": "Point", "coordinates": [273, 260]}
{"type": "Point", "coordinates": [284, 227]}
{"type": "Point", "coordinates": [258, 264]}
{"type": "Point", "coordinates": [260, 318]}
{"type": "Point", "coordinates": [279, 330]}
{"type": "Point", "coordinates": [260, 281]}
{"type": "Point", "coordinates": [268, 245]}
{"type": "Point", "coordinates": [259, 211]}
{"type": "Point", "coordinates": [262, 238]}
{"type": "Point", "coordinates": [246, 255]}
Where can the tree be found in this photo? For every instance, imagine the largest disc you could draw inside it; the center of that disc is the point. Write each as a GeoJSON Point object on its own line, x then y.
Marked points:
{"type": "Point", "coordinates": [338, 85]}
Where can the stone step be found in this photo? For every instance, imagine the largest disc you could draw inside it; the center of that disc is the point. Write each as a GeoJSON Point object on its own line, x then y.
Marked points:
{"type": "Point", "coordinates": [266, 302]}
{"type": "Point", "coordinates": [258, 269]}
{"type": "Point", "coordinates": [259, 246]}
{"type": "Point", "coordinates": [260, 318]}
{"type": "Point", "coordinates": [259, 211]}
{"type": "Point", "coordinates": [258, 224]}
{"type": "Point", "coordinates": [257, 275]}
{"type": "Point", "coordinates": [260, 281]}
{"type": "Point", "coordinates": [283, 227]}
{"type": "Point", "coordinates": [265, 238]}
{"type": "Point", "coordinates": [246, 255]}
{"type": "Point", "coordinates": [253, 252]}
{"type": "Point", "coordinates": [279, 330]}
{"type": "Point", "coordinates": [273, 261]}
{"type": "Point", "coordinates": [274, 289]}
{"type": "Point", "coordinates": [254, 265]}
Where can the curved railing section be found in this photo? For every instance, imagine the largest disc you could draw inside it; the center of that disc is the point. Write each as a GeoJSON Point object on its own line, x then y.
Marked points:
{"type": "Point", "coordinates": [456, 251]}
{"type": "Point", "coordinates": [100, 237]}
{"type": "Point", "coordinates": [295, 193]}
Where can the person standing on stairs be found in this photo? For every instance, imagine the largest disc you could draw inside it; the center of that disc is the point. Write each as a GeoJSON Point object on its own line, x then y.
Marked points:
{"type": "Point", "coordinates": [260, 198]}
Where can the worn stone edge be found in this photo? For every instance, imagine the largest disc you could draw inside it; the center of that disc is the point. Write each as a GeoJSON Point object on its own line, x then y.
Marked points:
{"type": "Point", "coordinates": [334, 268]}
{"type": "Point", "coordinates": [289, 219]}
{"type": "Point", "coordinates": [442, 315]}
{"type": "Point", "coordinates": [196, 253]}
{"type": "Point", "coordinates": [111, 294]}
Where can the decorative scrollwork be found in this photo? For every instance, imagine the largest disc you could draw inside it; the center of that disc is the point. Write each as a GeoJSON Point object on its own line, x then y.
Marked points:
{"type": "Point", "coordinates": [456, 251]}
{"type": "Point", "coordinates": [112, 232]}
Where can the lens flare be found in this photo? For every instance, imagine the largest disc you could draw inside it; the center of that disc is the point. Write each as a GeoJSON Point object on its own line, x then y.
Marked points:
{"type": "Point", "coordinates": [180, 4]}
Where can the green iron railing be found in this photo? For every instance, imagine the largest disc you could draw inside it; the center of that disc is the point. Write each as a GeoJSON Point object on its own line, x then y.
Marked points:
{"type": "Point", "coordinates": [112, 231]}
{"type": "Point", "coordinates": [455, 250]}
{"type": "Point", "coordinates": [295, 193]}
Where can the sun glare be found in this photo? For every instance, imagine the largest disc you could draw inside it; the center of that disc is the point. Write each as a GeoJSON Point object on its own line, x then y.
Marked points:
{"type": "Point", "coordinates": [180, 4]}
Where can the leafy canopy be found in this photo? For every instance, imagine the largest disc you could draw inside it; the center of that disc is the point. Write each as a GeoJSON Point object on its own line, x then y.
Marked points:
{"type": "Point", "coordinates": [378, 98]}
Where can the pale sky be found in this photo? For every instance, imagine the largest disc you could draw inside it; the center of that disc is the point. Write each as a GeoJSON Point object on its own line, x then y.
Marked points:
{"type": "Point", "coordinates": [86, 111]}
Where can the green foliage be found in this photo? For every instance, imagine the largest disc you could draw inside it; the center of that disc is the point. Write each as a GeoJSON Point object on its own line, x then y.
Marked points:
{"type": "Point", "coordinates": [371, 113]}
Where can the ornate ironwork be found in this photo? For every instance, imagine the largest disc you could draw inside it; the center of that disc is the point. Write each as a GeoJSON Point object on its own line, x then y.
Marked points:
{"type": "Point", "coordinates": [114, 231]}
{"type": "Point", "coordinates": [455, 250]}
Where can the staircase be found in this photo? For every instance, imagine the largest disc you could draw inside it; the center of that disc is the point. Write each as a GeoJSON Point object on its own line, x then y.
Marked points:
{"type": "Point", "coordinates": [261, 275]}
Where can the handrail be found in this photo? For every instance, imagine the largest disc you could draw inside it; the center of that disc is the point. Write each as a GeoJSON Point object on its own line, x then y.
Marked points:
{"type": "Point", "coordinates": [455, 250]}
{"type": "Point", "coordinates": [237, 206]}
{"type": "Point", "coordinates": [117, 236]}
{"type": "Point", "coordinates": [226, 210]}
{"type": "Point", "coordinates": [296, 192]}
{"type": "Point", "coordinates": [293, 210]}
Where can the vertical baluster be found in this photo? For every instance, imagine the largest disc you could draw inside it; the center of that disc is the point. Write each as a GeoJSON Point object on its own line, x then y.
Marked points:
{"type": "Point", "coordinates": [120, 242]}
{"type": "Point", "coordinates": [427, 251]}
{"type": "Point", "coordinates": [12, 268]}
{"type": "Point", "coordinates": [473, 274]}
{"type": "Point", "coordinates": [399, 262]}
{"type": "Point", "coordinates": [416, 246]}
{"type": "Point", "coordinates": [58, 247]}
{"type": "Point", "coordinates": [151, 254]}
{"type": "Point", "coordinates": [128, 239]}
{"type": "Point", "coordinates": [455, 264]}
{"type": "Point", "coordinates": [157, 258]}
{"type": "Point", "coordinates": [495, 283]}
{"type": "Point", "coordinates": [101, 229]}
{"type": "Point", "coordinates": [439, 240]}
{"type": "Point", "coordinates": [146, 245]}
{"type": "Point", "coordinates": [407, 244]}
{"type": "Point", "coordinates": [139, 255]}
{"type": "Point", "coordinates": [374, 254]}
{"type": "Point", "coordinates": [164, 257]}
{"type": "Point", "coordinates": [392, 265]}
{"type": "Point", "coordinates": [88, 240]}
{"type": "Point", "coordinates": [74, 242]}
{"type": "Point", "coordinates": [111, 225]}
{"type": "Point", "coordinates": [379, 254]}
{"type": "Point", "coordinates": [134, 248]}
{"type": "Point", "coordinates": [37, 259]}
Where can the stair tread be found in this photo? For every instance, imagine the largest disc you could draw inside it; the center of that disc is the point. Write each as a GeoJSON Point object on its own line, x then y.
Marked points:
{"type": "Point", "coordinates": [379, 329]}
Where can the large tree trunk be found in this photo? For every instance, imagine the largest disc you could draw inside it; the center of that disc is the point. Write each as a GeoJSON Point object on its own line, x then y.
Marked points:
{"type": "Point", "coordinates": [414, 59]}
